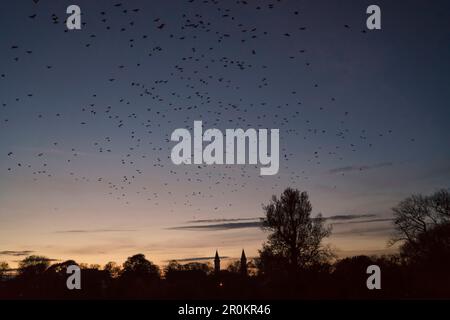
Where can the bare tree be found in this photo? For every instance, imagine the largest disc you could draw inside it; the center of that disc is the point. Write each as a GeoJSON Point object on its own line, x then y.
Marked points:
{"type": "Point", "coordinates": [418, 214]}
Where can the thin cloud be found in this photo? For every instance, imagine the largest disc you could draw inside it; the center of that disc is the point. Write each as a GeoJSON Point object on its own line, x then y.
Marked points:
{"type": "Point", "coordinates": [43, 259]}
{"type": "Point", "coordinates": [257, 223]}
{"type": "Point", "coordinates": [196, 259]}
{"type": "Point", "coordinates": [350, 216]}
{"type": "Point", "coordinates": [336, 217]}
{"type": "Point", "coordinates": [368, 230]}
{"type": "Point", "coordinates": [364, 221]}
{"type": "Point", "coordinates": [16, 253]}
{"type": "Point", "coordinates": [220, 226]}
{"type": "Point", "coordinates": [360, 168]}
{"type": "Point", "coordinates": [223, 220]}
{"type": "Point", "coordinates": [94, 230]}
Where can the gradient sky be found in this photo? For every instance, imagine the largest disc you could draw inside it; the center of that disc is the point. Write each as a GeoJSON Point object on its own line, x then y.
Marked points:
{"type": "Point", "coordinates": [86, 118]}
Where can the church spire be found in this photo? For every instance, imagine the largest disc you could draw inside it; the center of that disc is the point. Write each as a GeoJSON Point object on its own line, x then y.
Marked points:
{"type": "Point", "coordinates": [243, 266]}
{"type": "Point", "coordinates": [217, 263]}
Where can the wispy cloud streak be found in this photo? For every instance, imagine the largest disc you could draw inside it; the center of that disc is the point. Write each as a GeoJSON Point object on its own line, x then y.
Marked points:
{"type": "Point", "coordinates": [94, 230]}
{"type": "Point", "coordinates": [230, 224]}
{"type": "Point", "coordinates": [16, 253]}
{"type": "Point", "coordinates": [360, 168]}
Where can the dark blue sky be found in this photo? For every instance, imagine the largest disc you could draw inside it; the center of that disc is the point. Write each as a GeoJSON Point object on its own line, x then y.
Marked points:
{"type": "Point", "coordinates": [85, 116]}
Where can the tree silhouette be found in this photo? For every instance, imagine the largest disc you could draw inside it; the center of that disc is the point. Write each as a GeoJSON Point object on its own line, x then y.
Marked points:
{"type": "Point", "coordinates": [33, 265]}
{"type": "Point", "coordinates": [94, 266]}
{"type": "Point", "coordinates": [4, 268]}
{"type": "Point", "coordinates": [139, 278]}
{"type": "Point", "coordinates": [234, 266]}
{"type": "Point", "coordinates": [113, 269]}
{"type": "Point", "coordinates": [418, 214]}
{"type": "Point", "coordinates": [422, 224]}
{"type": "Point", "coordinates": [430, 248]}
{"type": "Point", "coordinates": [61, 267]}
{"type": "Point", "coordinates": [296, 237]}
{"type": "Point", "coordinates": [237, 267]}
{"type": "Point", "coordinates": [139, 266]}
{"type": "Point", "coordinates": [271, 263]}
{"type": "Point", "coordinates": [173, 266]}
{"type": "Point", "coordinates": [175, 270]}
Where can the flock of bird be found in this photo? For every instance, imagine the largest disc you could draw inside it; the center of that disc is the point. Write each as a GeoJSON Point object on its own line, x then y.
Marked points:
{"type": "Point", "coordinates": [207, 81]}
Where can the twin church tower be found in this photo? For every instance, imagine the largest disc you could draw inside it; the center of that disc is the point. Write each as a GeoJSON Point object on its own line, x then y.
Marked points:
{"type": "Point", "coordinates": [242, 266]}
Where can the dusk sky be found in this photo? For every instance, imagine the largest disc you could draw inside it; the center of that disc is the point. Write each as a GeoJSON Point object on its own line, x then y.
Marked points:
{"type": "Point", "coordinates": [86, 118]}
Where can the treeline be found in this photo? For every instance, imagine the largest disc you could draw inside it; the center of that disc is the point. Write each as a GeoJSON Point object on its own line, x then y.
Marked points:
{"type": "Point", "coordinates": [138, 278]}
{"type": "Point", "coordinates": [293, 264]}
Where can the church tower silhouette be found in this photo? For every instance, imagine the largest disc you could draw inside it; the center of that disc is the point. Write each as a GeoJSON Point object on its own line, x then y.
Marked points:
{"type": "Point", "coordinates": [216, 263]}
{"type": "Point", "coordinates": [243, 266]}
